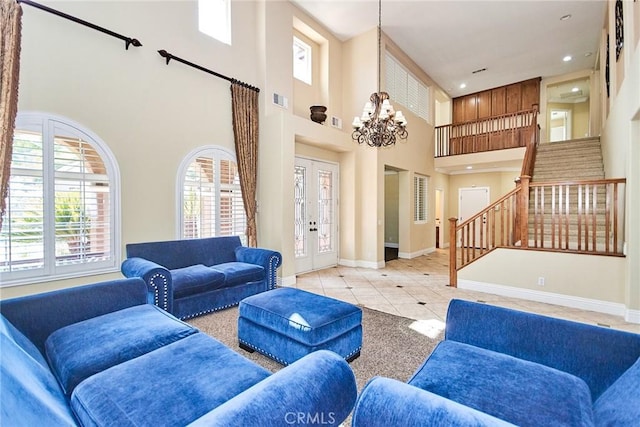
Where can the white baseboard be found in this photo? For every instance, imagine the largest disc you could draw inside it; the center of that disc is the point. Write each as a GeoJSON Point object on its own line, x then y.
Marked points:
{"type": "Point", "coordinates": [411, 255]}
{"type": "Point", "coordinates": [287, 281]}
{"type": "Point", "coordinates": [632, 316]}
{"type": "Point", "coordinates": [361, 263]}
{"type": "Point", "coordinates": [607, 307]}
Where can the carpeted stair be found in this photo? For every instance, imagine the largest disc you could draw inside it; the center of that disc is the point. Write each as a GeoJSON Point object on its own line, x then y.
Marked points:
{"type": "Point", "coordinates": [579, 159]}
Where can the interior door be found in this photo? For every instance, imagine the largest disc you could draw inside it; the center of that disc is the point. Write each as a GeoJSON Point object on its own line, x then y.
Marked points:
{"type": "Point", "coordinates": [472, 201]}
{"type": "Point", "coordinates": [316, 225]}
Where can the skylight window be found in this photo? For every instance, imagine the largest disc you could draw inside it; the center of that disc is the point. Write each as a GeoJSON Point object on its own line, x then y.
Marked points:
{"type": "Point", "coordinates": [214, 19]}
{"type": "Point", "coordinates": [301, 60]}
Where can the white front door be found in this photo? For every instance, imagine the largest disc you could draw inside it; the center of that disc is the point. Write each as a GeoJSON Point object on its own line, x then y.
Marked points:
{"type": "Point", "coordinates": [472, 201]}
{"type": "Point", "coordinates": [316, 213]}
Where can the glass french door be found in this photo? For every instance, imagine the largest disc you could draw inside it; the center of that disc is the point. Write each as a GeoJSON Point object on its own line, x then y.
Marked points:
{"type": "Point", "coordinates": [316, 213]}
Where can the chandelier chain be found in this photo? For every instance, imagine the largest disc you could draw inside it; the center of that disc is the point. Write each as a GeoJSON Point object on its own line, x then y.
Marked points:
{"type": "Point", "coordinates": [379, 125]}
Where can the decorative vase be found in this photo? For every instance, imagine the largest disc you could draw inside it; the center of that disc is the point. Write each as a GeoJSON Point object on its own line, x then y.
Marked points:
{"type": "Point", "coordinates": [318, 113]}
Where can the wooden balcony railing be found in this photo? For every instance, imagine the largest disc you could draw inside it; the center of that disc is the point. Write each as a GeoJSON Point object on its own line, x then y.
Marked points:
{"type": "Point", "coordinates": [563, 216]}
{"type": "Point", "coordinates": [510, 130]}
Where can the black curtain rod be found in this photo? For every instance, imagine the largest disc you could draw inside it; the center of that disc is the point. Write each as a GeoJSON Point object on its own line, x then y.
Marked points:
{"type": "Point", "coordinates": [128, 40]}
{"type": "Point", "coordinates": [169, 57]}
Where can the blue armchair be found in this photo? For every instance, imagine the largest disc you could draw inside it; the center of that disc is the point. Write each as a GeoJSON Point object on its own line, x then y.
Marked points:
{"type": "Point", "coordinates": [189, 278]}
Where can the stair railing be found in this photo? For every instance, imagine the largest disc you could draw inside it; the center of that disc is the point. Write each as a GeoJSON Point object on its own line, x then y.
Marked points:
{"type": "Point", "coordinates": [584, 216]}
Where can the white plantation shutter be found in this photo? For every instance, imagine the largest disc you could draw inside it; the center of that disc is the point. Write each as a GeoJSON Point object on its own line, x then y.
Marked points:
{"type": "Point", "coordinates": [406, 89]}
{"type": "Point", "coordinates": [63, 189]}
{"type": "Point", "coordinates": [420, 198]}
{"type": "Point", "coordinates": [211, 198]}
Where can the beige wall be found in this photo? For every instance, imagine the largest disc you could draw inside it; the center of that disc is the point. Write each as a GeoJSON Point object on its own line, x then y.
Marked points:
{"type": "Point", "coordinates": [564, 274]}
{"type": "Point", "coordinates": [151, 115]}
{"type": "Point", "coordinates": [621, 147]}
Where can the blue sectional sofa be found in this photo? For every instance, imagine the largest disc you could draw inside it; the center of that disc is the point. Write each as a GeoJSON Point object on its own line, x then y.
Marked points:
{"type": "Point", "coordinates": [498, 366]}
{"type": "Point", "coordinates": [100, 355]}
{"type": "Point", "coordinates": [189, 278]}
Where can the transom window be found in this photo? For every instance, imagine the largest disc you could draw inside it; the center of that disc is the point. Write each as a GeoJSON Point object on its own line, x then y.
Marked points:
{"type": "Point", "coordinates": [302, 60]}
{"type": "Point", "coordinates": [63, 192]}
{"type": "Point", "coordinates": [214, 19]}
{"type": "Point", "coordinates": [420, 198]}
{"type": "Point", "coordinates": [210, 195]}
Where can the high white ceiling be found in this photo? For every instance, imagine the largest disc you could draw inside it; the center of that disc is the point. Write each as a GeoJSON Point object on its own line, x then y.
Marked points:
{"type": "Point", "coordinates": [514, 40]}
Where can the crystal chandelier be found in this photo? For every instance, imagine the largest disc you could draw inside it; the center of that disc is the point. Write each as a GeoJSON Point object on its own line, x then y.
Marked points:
{"type": "Point", "coordinates": [379, 125]}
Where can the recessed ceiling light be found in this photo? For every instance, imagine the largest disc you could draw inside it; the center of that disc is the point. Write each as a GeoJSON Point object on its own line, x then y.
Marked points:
{"type": "Point", "coordinates": [565, 17]}
{"type": "Point", "coordinates": [469, 167]}
{"type": "Point", "coordinates": [463, 85]}
{"type": "Point", "coordinates": [575, 89]}
{"type": "Point", "coordinates": [588, 54]}
{"type": "Point", "coordinates": [567, 58]}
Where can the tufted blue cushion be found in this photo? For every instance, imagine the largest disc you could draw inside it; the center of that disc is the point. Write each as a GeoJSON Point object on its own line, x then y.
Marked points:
{"type": "Point", "coordinates": [518, 391]}
{"type": "Point", "coordinates": [159, 391]}
{"type": "Point", "coordinates": [620, 404]}
{"type": "Point", "coordinates": [195, 279]}
{"type": "Point", "coordinates": [30, 394]}
{"type": "Point", "coordinates": [80, 350]}
{"type": "Point", "coordinates": [238, 273]}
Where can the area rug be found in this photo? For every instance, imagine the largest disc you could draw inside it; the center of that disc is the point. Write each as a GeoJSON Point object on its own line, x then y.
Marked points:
{"type": "Point", "coordinates": [390, 348]}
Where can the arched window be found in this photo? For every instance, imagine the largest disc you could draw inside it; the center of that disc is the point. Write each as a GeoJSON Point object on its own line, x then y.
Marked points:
{"type": "Point", "coordinates": [61, 219]}
{"type": "Point", "coordinates": [210, 196]}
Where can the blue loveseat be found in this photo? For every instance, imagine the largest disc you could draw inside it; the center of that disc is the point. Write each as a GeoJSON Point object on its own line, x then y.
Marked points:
{"type": "Point", "coordinates": [499, 366]}
{"type": "Point", "coordinates": [192, 277]}
{"type": "Point", "coordinates": [99, 355]}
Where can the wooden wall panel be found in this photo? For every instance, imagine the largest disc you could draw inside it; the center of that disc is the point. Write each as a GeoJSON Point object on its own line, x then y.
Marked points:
{"type": "Point", "coordinates": [470, 108]}
{"type": "Point", "coordinates": [497, 101]}
{"type": "Point", "coordinates": [484, 104]}
{"type": "Point", "coordinates": [514, 97]}
{"type": "Point", "coordinates": [458, 110]}
{"type": "Point", "coordinates": [530, 94]}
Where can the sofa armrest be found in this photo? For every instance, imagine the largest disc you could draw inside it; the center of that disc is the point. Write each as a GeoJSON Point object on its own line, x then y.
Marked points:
{"type": "Point", "coordinates": [318, 389]}
{"type": "Point", "coordinates": [268, 259]}
{"type": "Point", "coordinates": [157, 278]}
{"type": "Point", "coordinates": [37, 316]}
{"type": "Point", "coordinates": [387, 402]}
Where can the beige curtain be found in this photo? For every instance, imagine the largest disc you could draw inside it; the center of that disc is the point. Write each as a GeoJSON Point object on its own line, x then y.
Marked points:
{"type": "Point", "coordinates": [244, 104]}
{"type": "Point", "coordinates": [10, 25]}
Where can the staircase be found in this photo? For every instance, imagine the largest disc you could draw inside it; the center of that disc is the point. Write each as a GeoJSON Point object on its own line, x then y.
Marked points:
{"type": "Point", "coordinates": [563, 214]}
{"type": "Point", "coordinates": [569, 161]}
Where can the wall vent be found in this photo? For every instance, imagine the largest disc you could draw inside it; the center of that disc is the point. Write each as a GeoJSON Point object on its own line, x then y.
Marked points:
{"type": "Point", "coordinates": [336, 122]}
{"type": "Point", "coordinates": [280, 100]}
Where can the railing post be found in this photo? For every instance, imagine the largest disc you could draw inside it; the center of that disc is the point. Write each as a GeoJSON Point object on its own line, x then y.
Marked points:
{"type": "Point", "coordinates": [523, 211]}
{"type": "Point", "coordinates": [453, 267]}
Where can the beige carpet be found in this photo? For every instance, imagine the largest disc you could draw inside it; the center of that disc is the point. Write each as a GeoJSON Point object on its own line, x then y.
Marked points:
{"type": "Point", "coordinates": [390, 348]}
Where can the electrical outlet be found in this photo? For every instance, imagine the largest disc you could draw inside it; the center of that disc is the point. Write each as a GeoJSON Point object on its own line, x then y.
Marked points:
{"type": "Point", "coordinates": [540, 281]}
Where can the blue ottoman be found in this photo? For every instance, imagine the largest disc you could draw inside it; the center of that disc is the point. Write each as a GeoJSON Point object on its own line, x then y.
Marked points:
{"type": "Point", "coordinates": [286, 324]}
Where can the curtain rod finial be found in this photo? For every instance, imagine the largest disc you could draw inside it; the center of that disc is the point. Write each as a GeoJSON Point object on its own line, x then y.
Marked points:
{"type": "Point", "coordinates": [165, 55]}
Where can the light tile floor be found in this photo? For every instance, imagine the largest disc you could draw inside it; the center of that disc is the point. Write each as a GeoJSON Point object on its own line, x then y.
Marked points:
{"type": "Point", "coordinates": [417, 289]}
